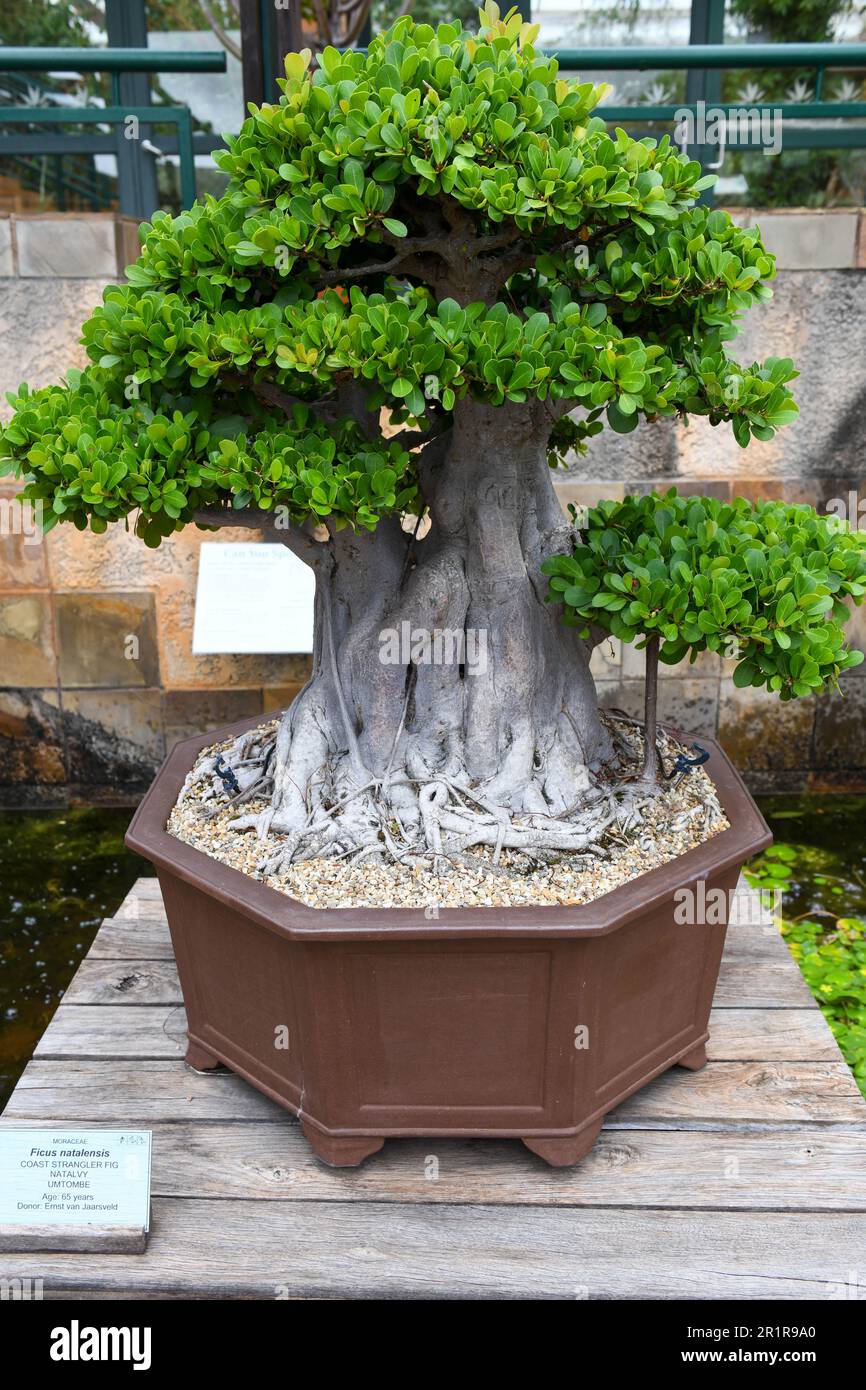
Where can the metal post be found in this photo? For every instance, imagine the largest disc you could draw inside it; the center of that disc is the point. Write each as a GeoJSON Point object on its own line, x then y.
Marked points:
{"type": "Point", "coordinates": [126, 27]}
{"type": "Point", "coordinates": [707, 26]}
{"type": "Point", "coordinates": [252, 53]}
{"type": "Point", "coordinates": [186, 155]}
{"type": "Point", "coordinates": [287, 37]}
{"type": "Point", "coordinates": [59, 185]}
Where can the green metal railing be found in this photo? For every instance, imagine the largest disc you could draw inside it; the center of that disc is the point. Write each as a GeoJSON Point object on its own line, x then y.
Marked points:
{"type": "Point", "coordinates": [118, 63]}
{"type": "Point", "coordinates": [818, 57]}
{"type": "Point", "coordinates": [812, 124]}
{"type": "Point", "coordinates": [67, 175]}
{"type": "Point", "coordinates": [178, 116]}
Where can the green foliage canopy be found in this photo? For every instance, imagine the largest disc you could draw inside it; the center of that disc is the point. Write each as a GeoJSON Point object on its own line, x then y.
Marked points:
{"type": "Point", "coordinates": [331, 260]}
{"type": "Point", "coordinates": [765, 583]}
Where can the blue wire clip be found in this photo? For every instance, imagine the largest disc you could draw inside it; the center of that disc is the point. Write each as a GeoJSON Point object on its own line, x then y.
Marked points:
{"type": "Point", "coordinates": [684, 764]}
{"type": "Point", "coordinates": [226, 776]}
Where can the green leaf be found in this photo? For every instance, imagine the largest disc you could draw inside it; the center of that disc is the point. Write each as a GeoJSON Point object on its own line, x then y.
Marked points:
{"type": "Point", "coordinates": [619, 421]}
{"type": "Point", "coordinates": [744, 674]}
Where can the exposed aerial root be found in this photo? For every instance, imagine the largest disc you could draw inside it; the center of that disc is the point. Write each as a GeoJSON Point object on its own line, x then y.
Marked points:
{"type": "Point", "coordinates": [336, 810]}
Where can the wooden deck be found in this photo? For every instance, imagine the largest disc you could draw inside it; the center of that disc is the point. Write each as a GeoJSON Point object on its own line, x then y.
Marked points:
{"type": "Point", "coordinates": [744, 1180]}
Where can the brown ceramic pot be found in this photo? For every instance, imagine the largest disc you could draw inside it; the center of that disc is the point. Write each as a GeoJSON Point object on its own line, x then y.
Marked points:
{"type": "Point", "coordinates": [529, 1022]}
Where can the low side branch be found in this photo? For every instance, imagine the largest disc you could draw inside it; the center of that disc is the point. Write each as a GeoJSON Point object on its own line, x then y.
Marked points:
{"type": "Point", "coordinates": [301, 542]}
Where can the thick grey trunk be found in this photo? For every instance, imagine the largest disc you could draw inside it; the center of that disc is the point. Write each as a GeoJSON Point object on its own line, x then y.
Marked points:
{"type": "Point", "coordinates": [386, 729]}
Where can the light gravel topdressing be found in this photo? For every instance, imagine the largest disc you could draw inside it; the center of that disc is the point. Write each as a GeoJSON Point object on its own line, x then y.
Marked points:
{"type": "Point", "coordinates": [681, 817]}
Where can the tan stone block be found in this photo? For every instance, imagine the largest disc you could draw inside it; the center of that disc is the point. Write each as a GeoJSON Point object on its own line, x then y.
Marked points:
{"type": "Point", "coordinates": [758, 489]}
{"type": "Point", "coordinates": [27, 656]}
{"type": "Point", "coordinates": [586, 494]}
{"type": "Point", "coordinates": [760, 731]}
{"type": "Point", "coordinates": [66, 247]}
{"type": "Point", "coordinates": [278, 697]}
{"type": "Point", "coordinates": [181, 669]}
{"type": "Point", "coordinates": [23, 547]}
{"type": "Point", "coordinates": [113, 737]}
{"type": "Point", "coordinates": [118, 560]}
{"type": "Point", "coordinates": [840, 727]}
{"type": "Point", "coordinates": [7, 266]}
{"type": "Point", "coordinates": [690, 706]}
{"type": "Point", "coordinates": [40, 322]}
{"type": "Point", "coordinates": [802, 239]}
{"type": "Point", "coordinates": [606, 660]}
{"type": "Point", "coordinates": [189, 712]}
{"type": "Point", "coordinates": [707, 665]}
{"type": "Point", "coordinates": [31, 739]}
{"type": "Point", "coordinates": [106, 639]}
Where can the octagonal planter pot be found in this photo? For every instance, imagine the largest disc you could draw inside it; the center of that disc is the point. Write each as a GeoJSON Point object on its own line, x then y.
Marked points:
{"type": "Point", "coordinates": [529, 1022]}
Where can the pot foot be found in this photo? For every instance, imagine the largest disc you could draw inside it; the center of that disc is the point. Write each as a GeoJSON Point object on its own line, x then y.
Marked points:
{"type": "Point", "coordinates": [200, 1059]}
{"type": "Point", "coordinates": [562, 1152]}
{"type": "Point", "coordinates": [694, 1060]}
{"type": "Point", "coordinates": [340, 1151]}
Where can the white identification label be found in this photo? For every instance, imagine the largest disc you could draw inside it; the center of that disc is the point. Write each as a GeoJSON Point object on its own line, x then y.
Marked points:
{"type": "Point", "coordinates": [252, 598]}
{"type": "Point", "coordinates": [57, 1177]}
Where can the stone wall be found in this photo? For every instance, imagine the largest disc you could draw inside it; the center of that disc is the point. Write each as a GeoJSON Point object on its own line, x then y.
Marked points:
{"type": "Point", "coordinates": [82, 721]}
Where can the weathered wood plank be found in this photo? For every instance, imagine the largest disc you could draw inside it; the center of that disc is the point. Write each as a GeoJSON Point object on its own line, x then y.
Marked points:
{"type": "Point", "coordinates": [98, 1240]}
{"type": "Point", "coordinates": [119, 1030]}
{"type": "Point", "coordinates": [801, 1169]}
{"type": "Point", "coordinates": [129, 1031]}
{"type": "Point", "coordinates": [146, 889]}
{"type": "Point", "coordinates": [770, 1035]}
{"type": "Point", "coordinates": [728, 1094]}
{"type": "Point", "coordinates": [725, 1095]}
{"type": "Point", "coordinates": [125, 938]}
{"type": "Point", "coordinates": [125, 1093]}
{"type": "Point", "coordinates": [128, 982]}
{"type": "Point", "coordinates": [377, 1250]}
{"type": "Point", "coordinates": [768, 984]}
{"type": "Point", "coordinates": [140, 910]}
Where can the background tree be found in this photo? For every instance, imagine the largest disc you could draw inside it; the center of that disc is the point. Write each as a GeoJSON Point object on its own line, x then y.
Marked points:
{"type": "Point", "coordinates": [326, 22]}
{"type": "Point", "coordinates": [426, 258]}
{"type": "Point", "coordinates": [764, 585]}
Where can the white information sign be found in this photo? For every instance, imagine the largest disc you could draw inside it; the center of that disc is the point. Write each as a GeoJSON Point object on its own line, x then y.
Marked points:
{"type": "Point", "coordinates": [255, 597]}
{"type": "Point", "coordinates": [74, 1177]}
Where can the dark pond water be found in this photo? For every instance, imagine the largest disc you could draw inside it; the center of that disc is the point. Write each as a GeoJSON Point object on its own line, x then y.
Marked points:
{"type": "Point", "coordinates": [829, 836]}
{"type": "Point", "coordinates": [61, 872]}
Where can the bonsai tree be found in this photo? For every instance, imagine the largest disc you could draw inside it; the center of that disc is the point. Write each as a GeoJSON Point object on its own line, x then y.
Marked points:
{"type": "Point", "coordinates": [427, 258]}
{"type": "Point", "coordinates": [765, 585]}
